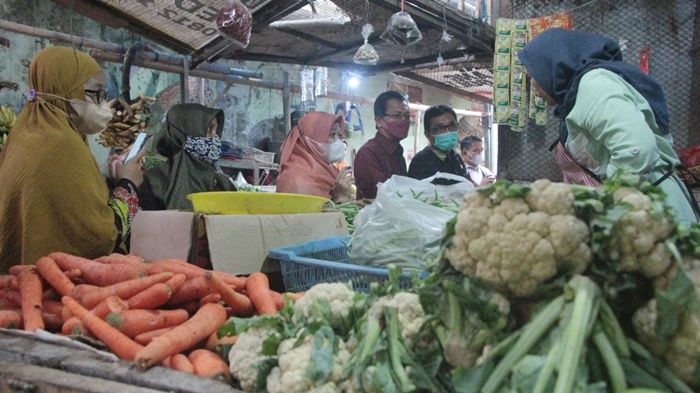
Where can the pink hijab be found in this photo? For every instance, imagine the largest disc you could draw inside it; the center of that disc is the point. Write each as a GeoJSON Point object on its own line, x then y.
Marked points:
{"type": "Point", "coordinates": [303, 167]}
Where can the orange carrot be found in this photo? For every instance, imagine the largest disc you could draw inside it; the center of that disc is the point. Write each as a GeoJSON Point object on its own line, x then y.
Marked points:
{"type": "Point", "coordinates": [193, 289]}
{"type": "Point", "coordinates": [80, 290]}
{"type": "Point", "coordinates": [192, 271]}
{"type": "Point", "coordinates": [151, 298]}
{"type": "Point", "coordinates": [73, 326]}
{"type": "Point", "coordinates": [49, 271]}
{"type": "Point", "coordinates": [31, 292]}
{"type": "Point", "coordinates": [258, 287]}
{"type": "Point", "coordinates": [156, 295]}
{"type": "Point", "coordinates": [180, 362]}
{"type": "Point", "coordinates": [166, 362]}
{"type": "Point", "coordinates": [52, 307]}
{"type": "Point", "coordinates": [110, 305]}
{"type": "Point", "coordinates": [72, 273]}
{"type": "Point", "coordinates": [206, 321]}
{"type": "Point", "coordinates": [10, 319]}
{"type": "Point", "coordinates": [241, 305]}
{"type": "Point", "coordinates": [214, 341]}
{"type": "Point", "coordinates": [116, 341]}
{"type": "Point", "coordinates": [7, 281]}
{"type": "Point", "coordinates": [124, 290]}
{"type": "Point", "coordinates": [135, 322]}
{"type": "Point", "coordinates": [97, 273]}
{"type": "Point", "coordinates": [146, 337]}
{"type": "Point", "coordinates": [17, 269]}
{"type": "Point", "coordinates": [53, 322]}
{"type": "Point", "coordinates": [115, 258]}
{"type": "Point", "coordinates": [208, 364]}
{"type": "Point", "coordinates": [278, 298]}
{"type": "Point", "coordinates": [210, 298]}
{"type": "Point", "coordinates": [11, 296]}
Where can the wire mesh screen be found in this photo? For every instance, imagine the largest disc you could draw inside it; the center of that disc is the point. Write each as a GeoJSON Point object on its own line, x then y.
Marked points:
{"type": "Point", "coordinates": [666, 27]}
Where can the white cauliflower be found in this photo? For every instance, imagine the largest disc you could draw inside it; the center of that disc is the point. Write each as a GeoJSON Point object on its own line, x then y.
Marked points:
{"type": "Point", "coordinates": [338, 297]}
{"type": "Point", "coordinates": [290, 374]}
{"type": "Point", "coordinates": [411, 314]}
{"type": "Point", "coordinates": [640, 234]}
{"type": "Point", "coordinates": [516, 243]}
{"type": "Point", "coordinates": [682, 352]}
{"type": "Point", "coordinates": [245, 354]}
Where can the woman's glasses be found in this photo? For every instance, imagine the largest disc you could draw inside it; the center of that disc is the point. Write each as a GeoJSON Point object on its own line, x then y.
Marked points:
{"type": "Point", "coordinates": [99, 96]}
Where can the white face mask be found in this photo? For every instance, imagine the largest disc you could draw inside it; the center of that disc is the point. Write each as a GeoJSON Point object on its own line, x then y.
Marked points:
{"type": "Point", "coordinates": [91, 118]}
{"type": "Point", "coordinates": [335, 151]}
{"type": "Point", "coordinates": [478, 160]}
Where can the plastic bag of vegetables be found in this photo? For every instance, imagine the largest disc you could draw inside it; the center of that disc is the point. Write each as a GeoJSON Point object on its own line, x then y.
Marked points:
{"type": "Point", "coordinates": [404, 223]}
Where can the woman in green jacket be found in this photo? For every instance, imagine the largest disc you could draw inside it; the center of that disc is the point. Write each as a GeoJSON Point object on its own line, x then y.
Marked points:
{"type": "Point", "coordinates": [613, 116]}
{"type": "Point", "coordinates": [190, 140]}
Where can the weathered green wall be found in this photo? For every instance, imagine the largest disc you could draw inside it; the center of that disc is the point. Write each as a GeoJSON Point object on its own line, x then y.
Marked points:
{"type": "Point", "coordinates": [244, 106]}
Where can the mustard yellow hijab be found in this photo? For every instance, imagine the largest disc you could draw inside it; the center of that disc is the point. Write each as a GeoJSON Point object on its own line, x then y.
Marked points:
{"type": "Point", "coordinates": [52, 195]}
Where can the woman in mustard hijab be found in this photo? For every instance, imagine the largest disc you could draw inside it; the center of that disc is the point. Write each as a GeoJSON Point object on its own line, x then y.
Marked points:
{"type": "Point", "coordinates": [53, 197]}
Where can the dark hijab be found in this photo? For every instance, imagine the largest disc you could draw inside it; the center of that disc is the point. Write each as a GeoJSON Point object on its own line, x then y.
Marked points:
{"type": "Point", "coordinates": [558, 58]}
{"type": "Point", "coordinates": [167, 185]}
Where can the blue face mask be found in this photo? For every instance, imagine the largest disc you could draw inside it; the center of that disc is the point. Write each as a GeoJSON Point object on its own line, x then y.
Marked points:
{"type": "Point", "coordinates": [446, 141]}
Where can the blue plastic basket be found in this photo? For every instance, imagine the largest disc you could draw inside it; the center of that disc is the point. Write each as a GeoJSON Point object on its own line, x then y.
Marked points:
{"type": "Point", "coordinates": [326, 260]}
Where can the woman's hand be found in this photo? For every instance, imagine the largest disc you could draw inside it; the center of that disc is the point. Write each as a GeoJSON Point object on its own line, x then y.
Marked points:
{"type": "Point", "coordinates": [342, 191]}
{"type": "Point", "coordinates": [132, 170]}
{"type": "Point", "coordinates": [487, 180]}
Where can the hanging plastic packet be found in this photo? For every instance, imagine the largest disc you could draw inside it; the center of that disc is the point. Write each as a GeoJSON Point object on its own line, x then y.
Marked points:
{"type": "Point", "coordinates": [366, 54]}
{"type": "Point", "coordinates": [402, 30]}
{"type": "Point", "coordinates": [235, 22]}
{"type": "Point", "coordinates": [501, 72]}
{"type": "Point", "coordinates": [307, 85]}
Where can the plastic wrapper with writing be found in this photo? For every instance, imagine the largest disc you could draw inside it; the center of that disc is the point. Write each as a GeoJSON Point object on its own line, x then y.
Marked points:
{"type": "Point", "coordinates": [404, 224]}
{"type": "Point", "coordinates": [402, 30]}
{"type": "Point", "coordinates": [235, 22]}
{"type": "Point", "coordinates": [366, 54]}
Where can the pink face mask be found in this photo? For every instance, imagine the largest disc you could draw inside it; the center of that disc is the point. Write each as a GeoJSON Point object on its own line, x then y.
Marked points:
{"type": "Point", "coordinates": [398, 129]}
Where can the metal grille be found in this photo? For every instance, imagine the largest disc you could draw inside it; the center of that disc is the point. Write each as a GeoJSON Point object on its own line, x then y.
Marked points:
{"type": "Point", "coordinates": [664, 26]}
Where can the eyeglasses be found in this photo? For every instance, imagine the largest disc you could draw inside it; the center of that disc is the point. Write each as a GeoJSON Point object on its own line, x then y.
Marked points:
{"type": "Point", "coordinates": [399, 116]}
{"type": "Point", "coordinates": [99, 96]}
{"type": "Point", "coordinates": [441, 129]}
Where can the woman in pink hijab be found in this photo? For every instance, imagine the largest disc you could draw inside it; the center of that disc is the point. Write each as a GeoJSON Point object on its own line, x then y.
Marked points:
{"type": "Point", "coordinates": [307, 157]}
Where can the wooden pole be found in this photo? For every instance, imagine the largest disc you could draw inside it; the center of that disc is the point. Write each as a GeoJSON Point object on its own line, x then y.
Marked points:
{"type": "Point", "coordinates": [286, 103]}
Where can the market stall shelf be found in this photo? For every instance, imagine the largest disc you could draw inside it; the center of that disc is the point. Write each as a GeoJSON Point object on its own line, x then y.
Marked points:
{"type": "Point", "coordinates": [33, 365]}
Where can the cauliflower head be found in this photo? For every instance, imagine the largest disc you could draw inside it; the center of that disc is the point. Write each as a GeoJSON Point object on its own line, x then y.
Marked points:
{"type": "Point", "coordinates": [330, 302]}
{"type": "Point", "coordinates": [640, 233]}
{"type": "Point", "coordinates": [293, 361]}
{"type": "Point", "coordinates": [411, 314]}
{"type": "Point", "coordinates": [246, 354]}
{"type": "Point", "coordinates": [516, 243]}
{"type": "Point", "coordinates": [682, 352]}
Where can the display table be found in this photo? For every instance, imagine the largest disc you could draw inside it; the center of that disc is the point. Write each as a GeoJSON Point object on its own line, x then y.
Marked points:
{"type": "Point", "coordinates": [31, 364]}
{"type": "Point", "coordinates": [254, 165]}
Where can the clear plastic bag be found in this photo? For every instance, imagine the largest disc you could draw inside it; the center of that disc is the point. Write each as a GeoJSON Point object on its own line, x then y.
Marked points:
{"type": "Point", "coordinates": [308, 91]}
{"type": "Point", "coordinates": [402, 30]}
{"type": "Point", "coordinates": [403, 226]}
{"type": "Point", "coordinates": [235, 22]}
{"type": "Point", "coordinates": [366, 54]}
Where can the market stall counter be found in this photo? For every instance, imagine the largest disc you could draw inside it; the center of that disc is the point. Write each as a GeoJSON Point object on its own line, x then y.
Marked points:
{"type": "Point", "coordinates": [43, 362]}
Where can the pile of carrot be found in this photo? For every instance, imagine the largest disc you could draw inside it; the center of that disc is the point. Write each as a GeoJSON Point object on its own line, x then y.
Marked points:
{"type": "Point", "coordinates": [160, 312]}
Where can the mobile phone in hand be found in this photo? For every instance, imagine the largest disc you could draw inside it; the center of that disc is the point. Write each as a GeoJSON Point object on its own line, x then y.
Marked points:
{"type": "Point", "coordinates": [137, 146]}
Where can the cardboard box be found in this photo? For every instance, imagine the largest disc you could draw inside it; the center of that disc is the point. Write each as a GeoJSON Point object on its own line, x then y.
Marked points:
{"type": "Point", "coordinates": [162, 234]}
{"type": "Point", "coordinates": [237, 244]}
{"type": "Point", "coordinates": [240, 244]}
